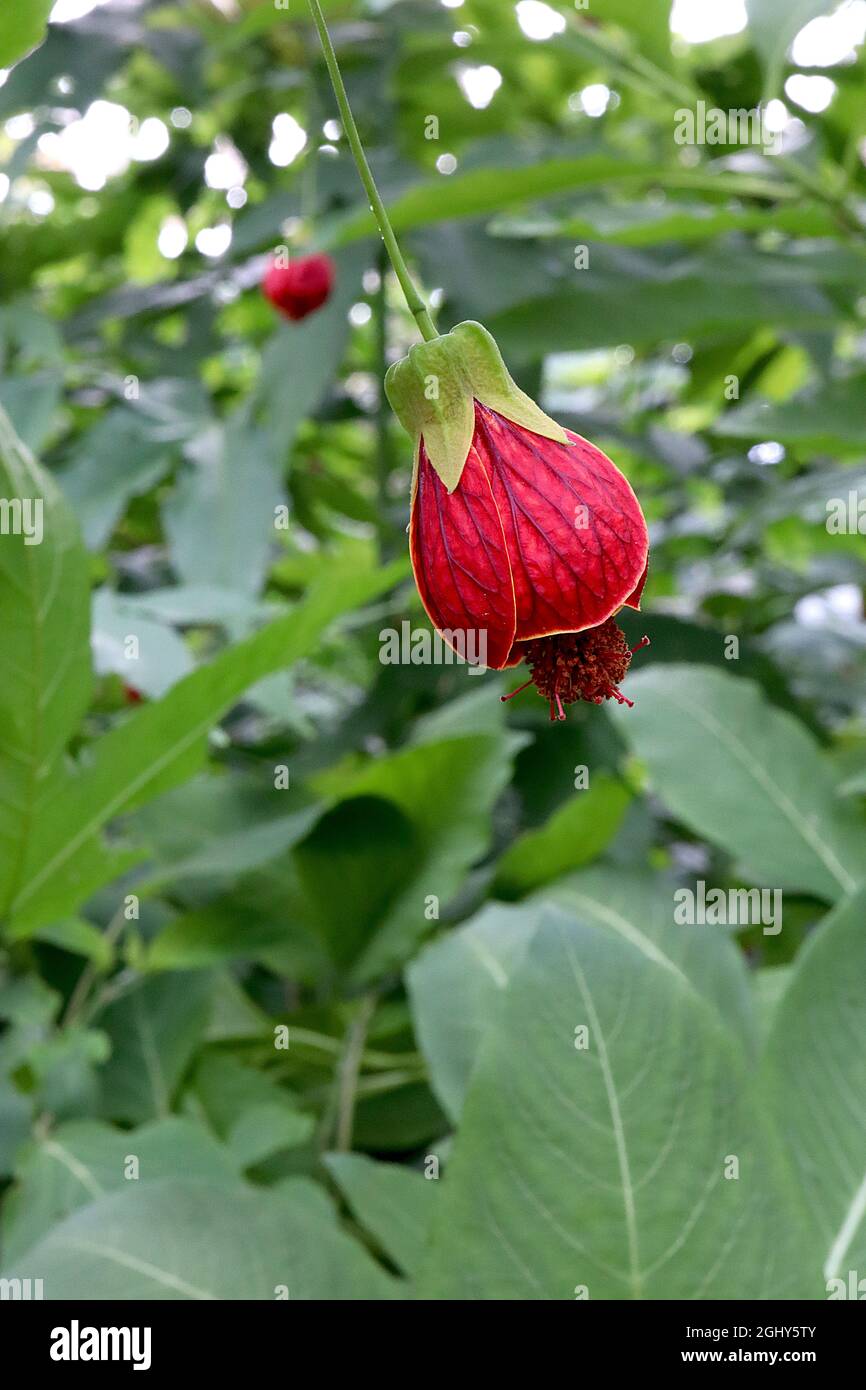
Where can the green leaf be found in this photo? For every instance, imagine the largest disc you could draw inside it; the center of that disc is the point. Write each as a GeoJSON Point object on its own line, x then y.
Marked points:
{"type": "Point", "coordinates": [31, 403]}
{"type": "Point", "coordinates": [200, 1240]}
{"type": "Point", "coordinates": [773, 24]}
{"type": "Point", "coordinates": [359, 889]}
{"type": "Point", "coordinates": [161, 657]}
{"type": "Point", "coordinates": [770, 983]}
{"type": "Point", "coordinates": [639, 908]}
{"type": "Point", "coordinates": [252, 1114]}
{"type": "Point", "coordinates": [648, 224]}
{"type": "Point", "coordinates": [829, 419]}
{"type": "Point", "coordinates": [234, 1016]}
{"type": "Point", "coordinates": [600, 1171]}
{"type": "Point", "coordinates": [50, 1070]}
{"type": "Point", "coordinates": [576, 833]}
{"type": "Point", "coordinates": [647, 28]}
{"type": "Point", "coordinates": [394, 1204]}
{"type": "Point", "coordinates": [815, 1076]}
{"type": "Point", "coordinates": [489, 190]}
{"type": "Point", "coordinates": [80, 1161]}
{"type": "Point", "coordinates": [92, 481]}
{"type": "Point", "coordinates": [76, 935]}
{"type": "Point", "coordinates": [16, 1114]}
{"type": "Point", "coordinates": [262, 1131]}
{"type": "Point", "coordinates": [455, 985]}
{"type": "Point", "coordinates": [154, 1029]}
{"type": "Point", "coordinates": [397, 1118]}
{"type": "Point", "coordinates": [369, 880]}
{"type": "Point", "coordinates": [219, 519]}
{"type": "Point", "coordinates": [44, 656]}
{"type": "Point", "coordinates": [199, 605]}
{"type": "Point", "coordinates": [445, 793]}
{"type": "Point", "coordinates": [165, 743]}
{"type": "Point", "coordinates": [457, 982]}
{"type": "Point", "coordinates": [248, 923]}
{"type": "Point", "coordinates": [22, 27]}
{"type": "Point", "coordinates": [640, 297]}
{"type": "Point", "coordinates": [228, 856]}
{"type": "Point", "coordinates": [773, 802]}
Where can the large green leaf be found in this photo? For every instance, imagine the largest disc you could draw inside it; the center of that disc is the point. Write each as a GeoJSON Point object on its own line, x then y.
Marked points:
{"type": "Point", "coordinates": [394, 1204]}
{"type": "Point", "coordinates": [640, 1165]}
{"type": "Point", "coordinates": [455, 985]}
{"type": "Point", "coordinates": [164, 743]}
{"type": "Point", "coordinates": [234, 853]}
{"type": "Point", "coordinates": [44, 654]}
{"type": "Point", "coordinates": [253, 1115]}
{"type": "Point", "coordinates": [372, 876]}
{"type": "Point", "coordinates": [648, 223]}
{"type": "Point", "coordinates": [84, 1159]}
{"type": "Point", "coordinates": [576, 833]}
{"type": "Point", "coordinates": [639, 907]}
{"type": "Point", "coordinates": [446, 792]}
{"type": "Point", "coordinates": [248, 923]}
{"type": "Point", "coordinates": [747, 776]}
{"type": "Point", "coordinates": [208, 831]}
{"type": "Point", "coordinates": [816, 1082]}
{"type": "Point", "coordinates": [488, 190]}
{"type": "Point", "coordinates": [200, 1240]}
{"type": "Point", "coordinates": [640, 297]}
{"type": "Point", "coordinates": [154, 1029]}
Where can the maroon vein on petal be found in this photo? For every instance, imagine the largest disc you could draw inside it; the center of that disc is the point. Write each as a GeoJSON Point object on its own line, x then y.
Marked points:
{"type": "Point", "coordinates": [459, 557]}
{"type": "Point", "coordinates": [567, 575]}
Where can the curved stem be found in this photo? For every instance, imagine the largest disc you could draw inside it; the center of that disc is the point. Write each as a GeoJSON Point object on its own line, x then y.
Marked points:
{"type": "Point", "coordinates": [416, 304]}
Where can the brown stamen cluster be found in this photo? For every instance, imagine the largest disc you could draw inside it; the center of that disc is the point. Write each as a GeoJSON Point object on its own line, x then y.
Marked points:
{"type": "Point", "coordinates": [585, 665]}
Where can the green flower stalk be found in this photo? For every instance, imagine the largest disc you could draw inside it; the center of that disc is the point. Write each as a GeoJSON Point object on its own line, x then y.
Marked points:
{"type": "Point", "coordinates": [416, 304]}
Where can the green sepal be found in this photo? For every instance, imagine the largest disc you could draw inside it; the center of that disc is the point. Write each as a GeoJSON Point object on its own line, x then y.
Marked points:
{"type": "Point", "coordinates": [433, 389]}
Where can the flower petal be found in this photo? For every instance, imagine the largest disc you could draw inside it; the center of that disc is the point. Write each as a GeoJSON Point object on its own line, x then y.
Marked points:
{"type": "Point", "coordinates": [575, 533]}
{"type": "Point", "coordinates": [634, 598]}
{"type": "Point", "coordinates": [461, 562]}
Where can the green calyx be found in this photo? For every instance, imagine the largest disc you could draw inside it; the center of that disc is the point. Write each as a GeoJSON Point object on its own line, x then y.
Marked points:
{"type": "Point", "coordinates": [433, 390]}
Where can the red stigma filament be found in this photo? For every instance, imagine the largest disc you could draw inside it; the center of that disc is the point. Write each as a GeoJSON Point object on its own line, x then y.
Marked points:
{"type": "Point", "coordinates": [588, 665]}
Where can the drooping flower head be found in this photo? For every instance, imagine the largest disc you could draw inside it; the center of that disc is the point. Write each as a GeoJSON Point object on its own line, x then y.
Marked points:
{"type": "Point", "coordinates": [521, 532]}
{"type": "Point", "coordinates": [301, 287]}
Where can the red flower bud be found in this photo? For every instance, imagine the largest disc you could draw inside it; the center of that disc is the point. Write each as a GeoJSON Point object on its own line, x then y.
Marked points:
{"type": "Point", "coordinates": [521, 532]}
{"type": "Point", "coordinates": [300, 287]}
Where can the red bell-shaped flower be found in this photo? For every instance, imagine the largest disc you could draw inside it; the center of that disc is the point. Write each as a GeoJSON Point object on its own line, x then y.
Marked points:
{"type": "Point", "coordinates": [301, 287]}
{"type": "Point", "coordinates": [525, 538]}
